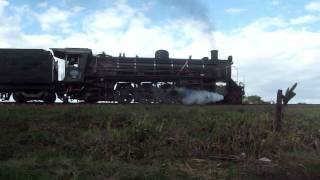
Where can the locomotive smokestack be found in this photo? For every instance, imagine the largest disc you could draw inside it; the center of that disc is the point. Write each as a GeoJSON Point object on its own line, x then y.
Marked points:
{"type": "Point", "coordinates": [214, 55]}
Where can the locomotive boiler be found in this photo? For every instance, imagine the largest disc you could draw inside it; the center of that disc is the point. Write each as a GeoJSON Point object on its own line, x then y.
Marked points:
{"type": "Point", "coordinates": [32, 74]}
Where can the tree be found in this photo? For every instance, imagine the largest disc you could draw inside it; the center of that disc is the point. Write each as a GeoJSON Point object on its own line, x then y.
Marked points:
{"type": "Point", "coordinates": [254, 100]}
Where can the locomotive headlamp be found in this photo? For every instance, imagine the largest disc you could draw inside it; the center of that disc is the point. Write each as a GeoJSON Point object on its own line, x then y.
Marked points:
{"type": "Point", "coordinates": [74, 74]}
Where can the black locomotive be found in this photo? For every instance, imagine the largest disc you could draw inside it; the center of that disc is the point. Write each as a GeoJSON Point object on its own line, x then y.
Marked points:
{"type": "Point", "coordinates": [32, 74]}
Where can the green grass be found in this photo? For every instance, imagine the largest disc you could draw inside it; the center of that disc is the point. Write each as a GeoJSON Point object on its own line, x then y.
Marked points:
{"type": "Point", "coordinates": [157, 142]}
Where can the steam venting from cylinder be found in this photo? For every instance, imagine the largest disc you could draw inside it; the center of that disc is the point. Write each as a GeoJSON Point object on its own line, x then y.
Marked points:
{"type": "Point", "coordinates": [190, 96]}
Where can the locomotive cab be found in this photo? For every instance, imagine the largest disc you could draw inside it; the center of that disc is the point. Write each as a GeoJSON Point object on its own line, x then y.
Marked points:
{"type": "Point", "coordinates": [76, 60]}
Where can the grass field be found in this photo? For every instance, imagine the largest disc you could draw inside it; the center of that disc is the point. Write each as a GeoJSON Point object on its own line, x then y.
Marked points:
{"type": "Point", "coordinates": [157, 142]}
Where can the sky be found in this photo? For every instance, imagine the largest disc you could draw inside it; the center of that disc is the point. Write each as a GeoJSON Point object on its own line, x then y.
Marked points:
{"type": "Point", "coordinates": [274, 43]}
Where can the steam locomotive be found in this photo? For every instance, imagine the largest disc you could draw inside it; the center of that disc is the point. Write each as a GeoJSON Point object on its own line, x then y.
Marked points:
{"type": "Point", "coordinates": [35, 74]}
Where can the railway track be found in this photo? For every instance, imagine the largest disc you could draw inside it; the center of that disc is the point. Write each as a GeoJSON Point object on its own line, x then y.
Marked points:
{"type": "Point", "coordinates": [134, 104]}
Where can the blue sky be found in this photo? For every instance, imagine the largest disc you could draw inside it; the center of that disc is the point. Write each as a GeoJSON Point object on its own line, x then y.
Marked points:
{"type": "Point", "coordinates": [241, 11]}
{"type": "Point", "coordinates": [275, 43]}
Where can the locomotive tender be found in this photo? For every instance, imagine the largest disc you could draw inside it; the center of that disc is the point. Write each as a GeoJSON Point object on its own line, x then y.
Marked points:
{"type": "Point", "coordinates": [32, 74]}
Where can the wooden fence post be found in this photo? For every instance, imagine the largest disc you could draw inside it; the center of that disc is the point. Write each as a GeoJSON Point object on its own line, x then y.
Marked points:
{"type": "Point", "coordinates": [282, 101]}
{"type": "Point", "coordinates": [278, 119]}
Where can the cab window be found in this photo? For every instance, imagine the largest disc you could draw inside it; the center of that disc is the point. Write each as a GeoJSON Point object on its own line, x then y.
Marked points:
{"type": "Point", "coordinates": [73, 60]}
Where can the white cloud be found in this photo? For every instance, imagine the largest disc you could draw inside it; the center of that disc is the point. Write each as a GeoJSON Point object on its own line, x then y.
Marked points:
{"type": "Point", "coordinates": [313, 6]}
{"type": "Point", "coordinates": [306, 19]}
{"type": "Point", "coordinates": [272, 59]}
{"type": "Point", "coordinates": [40, 41]}
{"type": "Point", "coordinates": [128, 30]}
{"type": "Point", "coordinates": [110, 19]}
{"type": "Point", "coordinates": [10, 31]}
{"type": "Point", "coordinates": [265, 24]}
{"type": "Point", "coordinates": [57, 19]}
{"type": "Point", "coordinates": [77, 9]}
{"type": "Point", "coordinates": [3, 4]}
{"type": "Point", "coordinates": [54, 18]}
{"type": "Point", "coordinates": [234, 10]}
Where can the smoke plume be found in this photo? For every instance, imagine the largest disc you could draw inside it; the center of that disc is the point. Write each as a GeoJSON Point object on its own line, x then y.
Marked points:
{"type": "Point", "coordinates": [194, 9]}
{"type": "Point", "coordinates": [190, 96]}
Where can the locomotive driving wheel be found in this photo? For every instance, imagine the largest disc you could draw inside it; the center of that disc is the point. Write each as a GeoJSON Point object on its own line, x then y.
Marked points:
{"type": "Point", "coordinates": [91, 96]}
{"type": "Point", "coordinates": [19, 98]}
{"type": "Point", "coordinates": [123, 96]}
{"type": "Point", "coordinates": [50, 98]}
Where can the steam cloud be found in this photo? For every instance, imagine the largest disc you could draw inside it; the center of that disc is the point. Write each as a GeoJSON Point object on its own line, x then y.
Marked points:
{"type": "Point", "coordinates": [190, 96]}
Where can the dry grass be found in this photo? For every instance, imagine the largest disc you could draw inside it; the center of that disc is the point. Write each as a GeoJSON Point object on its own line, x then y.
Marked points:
{"type": "Point", "coordinates": [157, 142]}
